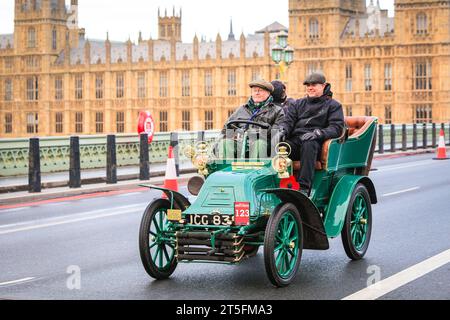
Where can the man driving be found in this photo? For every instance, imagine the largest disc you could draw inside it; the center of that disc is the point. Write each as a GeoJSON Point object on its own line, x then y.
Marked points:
{"type": "Point", "coordinates": [259, 108]}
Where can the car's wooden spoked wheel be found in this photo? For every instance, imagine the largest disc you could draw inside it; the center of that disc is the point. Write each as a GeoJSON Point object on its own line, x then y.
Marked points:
{"type": "Point", "coordinates": [358, 224]}
{"type": "Point", "coordinates": [283, 245]}
{"type": "Point", "coordinates": [156, 242]}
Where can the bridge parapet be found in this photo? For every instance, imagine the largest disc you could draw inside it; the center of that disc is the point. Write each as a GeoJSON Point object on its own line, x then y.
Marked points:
{"type": "Point", "coordinates": [55, 151]}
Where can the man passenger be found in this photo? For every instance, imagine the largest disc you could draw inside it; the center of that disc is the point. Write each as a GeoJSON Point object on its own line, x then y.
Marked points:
{"type": "Point", "coordinates": [309, 122]}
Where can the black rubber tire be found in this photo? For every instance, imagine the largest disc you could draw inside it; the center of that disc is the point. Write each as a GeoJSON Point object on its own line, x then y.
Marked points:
{"type": "Point", "coordinates": [269, 245]}
{"type": "Point", "coordinates": [347, 242]}
{"type": "Point", "coordinates": [144, 242]}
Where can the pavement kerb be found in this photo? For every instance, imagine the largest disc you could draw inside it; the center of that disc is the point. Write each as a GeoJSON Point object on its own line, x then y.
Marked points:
{"type": "Point", "coordinates": [390, 155]}
{"type": "Point", "coordinates": [85, 182]}
{"type": "Point", "coordinates": [50, 194]}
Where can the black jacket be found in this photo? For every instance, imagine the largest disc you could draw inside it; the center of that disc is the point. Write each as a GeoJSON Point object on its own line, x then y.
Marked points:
{"type": "Point", "coordinates": [285, 104]}
{"type": "Point", "coordinates": [309, 114]}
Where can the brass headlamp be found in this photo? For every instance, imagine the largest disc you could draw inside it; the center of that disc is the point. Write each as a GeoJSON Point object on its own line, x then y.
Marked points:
{"type": "Point", "coordinates": [281, 162]}
{"type": "Point", "coordinates": [199, 156]}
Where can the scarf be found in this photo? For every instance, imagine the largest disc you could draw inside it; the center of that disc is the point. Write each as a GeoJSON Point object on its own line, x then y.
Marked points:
{"type": "Point", "coordinates": [255, 107]}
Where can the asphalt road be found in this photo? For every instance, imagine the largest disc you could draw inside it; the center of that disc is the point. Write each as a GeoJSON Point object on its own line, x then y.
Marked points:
{"type": "Point", "coordinates": [43, 248]}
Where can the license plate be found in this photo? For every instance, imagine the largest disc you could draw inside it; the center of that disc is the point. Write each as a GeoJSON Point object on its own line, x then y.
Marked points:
{"type": "Point", "coordinates": [242, 213]}
{"type": "Point", "coordinates": [209, 220]}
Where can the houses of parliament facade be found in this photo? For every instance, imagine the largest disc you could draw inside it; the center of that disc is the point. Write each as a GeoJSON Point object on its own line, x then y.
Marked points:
{"type": "Point", "coordinates": [54, 81]}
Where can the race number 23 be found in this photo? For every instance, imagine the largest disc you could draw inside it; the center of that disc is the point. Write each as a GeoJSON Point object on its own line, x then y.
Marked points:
{"type": "Point", "coordinates": [242, 213]}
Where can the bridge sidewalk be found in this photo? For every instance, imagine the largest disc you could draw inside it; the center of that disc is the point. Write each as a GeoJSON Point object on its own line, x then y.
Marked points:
{"type": "Point", "coordinates": [9, 199]}
{"type": "Point", "coordinates": [91, 176]}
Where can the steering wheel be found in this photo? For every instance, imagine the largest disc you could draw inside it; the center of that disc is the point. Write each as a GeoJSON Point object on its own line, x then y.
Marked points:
{"type": "Point", "coordinates": [233, 124]}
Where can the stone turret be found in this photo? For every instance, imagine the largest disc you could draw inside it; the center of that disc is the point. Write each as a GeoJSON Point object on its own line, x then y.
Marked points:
{"type": "Point", "coordinates": [195, 47]}
{"type": "Point", "coordinates": [242, 45]}
{"type": "Point", "coordinates": [218, 46]}
{"type": "Point", "coordinates": [169, 28]}
{"type": "Point", "coordinates": [39, 26]}
{"type": "Point", "coordinates": [108, 49]}
{"type": "Point", "coordinates": [129, 51]}
{"type": "Point", "coordinates": [87, 52]}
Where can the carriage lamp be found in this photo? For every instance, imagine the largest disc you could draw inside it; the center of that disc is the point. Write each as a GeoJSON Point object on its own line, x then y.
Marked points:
{"type": "Point", "coordinates": [281, 162]}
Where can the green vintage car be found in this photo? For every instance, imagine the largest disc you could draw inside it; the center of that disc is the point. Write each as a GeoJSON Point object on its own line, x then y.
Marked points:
{"type": "Point", "coordinates": [243, 204]}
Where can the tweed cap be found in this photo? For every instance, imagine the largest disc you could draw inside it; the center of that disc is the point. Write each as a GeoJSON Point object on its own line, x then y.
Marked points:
{"type": "Point", "coordinates": [315, 78]}
{"type": "Point", "coordinates": [262, 84]}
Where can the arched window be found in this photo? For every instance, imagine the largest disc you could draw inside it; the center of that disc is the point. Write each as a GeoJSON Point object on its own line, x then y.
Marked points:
{"type": "Point", "coordinates": [54, 39]}
{"type": "Point", "coordinates": [31, 38]}
{"type": "Point", "coordinates": [313, 29]}
{"type": "Point", "coordinates": [421, 23]}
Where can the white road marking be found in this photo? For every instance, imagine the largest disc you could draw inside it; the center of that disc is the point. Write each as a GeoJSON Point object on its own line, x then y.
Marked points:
{"type": "Point", "coordinates": [40, 226]}
{"type": "Point", "coordinates": [90, 215]}
{"type": "Point", "coordinates": [56, 204]}
{"type": "Point", "coordinates": [405, 166]}
{"type": "Point", "coordinates": [400, 192]}
{"type": "Point", "coordinates": [129, 194]}
{"type": "Point", "coordinates": [402, 278]}
{"type": "Point", "coordinates": [15, 282]}
{"type": "Point", "coordinates": [99, 211]}
{"type": "Point", "coordinates": [14, 210]}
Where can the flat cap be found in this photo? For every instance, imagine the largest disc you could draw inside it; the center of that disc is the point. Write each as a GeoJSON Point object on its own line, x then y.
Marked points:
{"type": "Point", "coordinates": [263, 85]}
{"type": "Point", "coordinates": [315, 78]}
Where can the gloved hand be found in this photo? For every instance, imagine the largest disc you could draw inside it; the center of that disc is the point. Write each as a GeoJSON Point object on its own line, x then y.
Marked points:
{"type": "Point", "coordinates": [312, 136]}
{"type": "Point", "coordinates": [280, 136]}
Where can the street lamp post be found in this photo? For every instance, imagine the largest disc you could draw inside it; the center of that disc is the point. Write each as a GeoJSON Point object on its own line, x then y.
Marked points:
{"type": "Point", "coordinates": [282, 54]}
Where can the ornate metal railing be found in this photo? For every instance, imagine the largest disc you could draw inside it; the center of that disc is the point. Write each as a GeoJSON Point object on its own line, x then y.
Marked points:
{"type": "Point", "coordinates": [54, 151]}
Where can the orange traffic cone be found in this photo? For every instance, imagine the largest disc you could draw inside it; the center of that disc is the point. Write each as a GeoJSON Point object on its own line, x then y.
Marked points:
{"type": "Point", "coordinates": [442, 151]}
{"type": "Point", "coordinates": [171, 181]}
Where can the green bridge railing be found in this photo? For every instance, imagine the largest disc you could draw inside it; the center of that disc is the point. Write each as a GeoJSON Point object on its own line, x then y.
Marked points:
{"type": "Point", "coordinates": [54, 151]}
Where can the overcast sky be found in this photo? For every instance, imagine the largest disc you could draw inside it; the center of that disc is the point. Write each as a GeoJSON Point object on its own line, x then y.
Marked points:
{"type": "Point", "coordinates": [125, 18]}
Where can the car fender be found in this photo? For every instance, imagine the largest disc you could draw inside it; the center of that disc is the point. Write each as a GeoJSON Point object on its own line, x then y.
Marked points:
{"type": "Point", "coordinates": [314, 237]}
{"type": "Point", "coordinates": [340, 199]}
{"type": "Point", "coordinates": [177, 200]}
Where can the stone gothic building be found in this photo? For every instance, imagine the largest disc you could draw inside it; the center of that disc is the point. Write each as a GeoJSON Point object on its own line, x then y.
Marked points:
{"type": "Point", "coordinates": [54, 81]}
{"type": "Point", "coordinates": [397, 69]}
